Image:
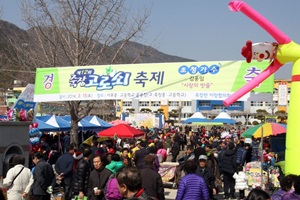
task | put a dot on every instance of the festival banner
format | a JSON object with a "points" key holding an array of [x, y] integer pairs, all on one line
{"points": [[213, 80], [25, 100]]}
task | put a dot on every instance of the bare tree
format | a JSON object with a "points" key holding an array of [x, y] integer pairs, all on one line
{"points": [[77, 33]]}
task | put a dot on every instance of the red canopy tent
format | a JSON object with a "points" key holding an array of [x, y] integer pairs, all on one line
{"points": [[121, 131], [118, 121]]}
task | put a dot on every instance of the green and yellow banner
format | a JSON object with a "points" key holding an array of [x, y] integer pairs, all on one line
{"points": [[213, 80]]}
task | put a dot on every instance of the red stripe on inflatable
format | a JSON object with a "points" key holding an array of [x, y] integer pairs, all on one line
{"points": [[295, 78]]}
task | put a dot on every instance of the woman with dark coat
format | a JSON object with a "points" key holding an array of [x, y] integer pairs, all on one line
{"points": [[151, 180], [98, 179], [228, 168], [81, 175]]}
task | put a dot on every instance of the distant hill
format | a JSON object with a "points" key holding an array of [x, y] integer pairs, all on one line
{"points": [[147, 54], [131, 51], [9, 31]]}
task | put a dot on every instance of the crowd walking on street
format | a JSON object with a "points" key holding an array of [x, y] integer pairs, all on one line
{"points": [[208, 167]]}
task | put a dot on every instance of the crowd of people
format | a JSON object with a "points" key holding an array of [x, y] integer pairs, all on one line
{"points": [[128, 169]]}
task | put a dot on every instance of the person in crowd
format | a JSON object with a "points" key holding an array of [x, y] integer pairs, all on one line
{"points": [[155, 140], [112, 190], [43, 177], [241, 153], [248, 153], [192, 186], [125, 158], [18, 180], [174, 149], [64, 168], [168, 143], [240, 181], [44, 151], [286, 186], [183, 140], [151, 179], [280, 163], [296, 194], [136, 148], [176, 136], [130, 184], [228, 168], [193, 139], [199, 150], [94, 146], [212, 161], [161, 152], [81, 175], [189, 155], [140, 155], [98, 179], [53, 154], [78, 155], [208, 175], [104, 146], [258, 194], [114, 164], [152, 151], [223, 147], [66, 141]]}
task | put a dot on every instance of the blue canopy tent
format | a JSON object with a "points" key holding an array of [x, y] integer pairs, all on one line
{"points": [[55, 121], [83, 124], [98, 122], [44, 127], [224, 118], [196, 117]]}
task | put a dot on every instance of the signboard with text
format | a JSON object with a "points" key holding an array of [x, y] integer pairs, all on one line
{"points": [[213, 80], [282, 94]]}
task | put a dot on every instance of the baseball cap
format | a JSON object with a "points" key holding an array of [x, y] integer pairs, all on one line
{"points": [[202, 157]]}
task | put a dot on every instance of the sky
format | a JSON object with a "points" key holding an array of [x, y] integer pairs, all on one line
{"points": [[200, 29]]}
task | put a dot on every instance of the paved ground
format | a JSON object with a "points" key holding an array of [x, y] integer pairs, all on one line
{"points": [[170, 194]]}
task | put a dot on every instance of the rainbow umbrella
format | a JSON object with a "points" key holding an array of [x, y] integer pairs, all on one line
{"points": [[265, 130]]}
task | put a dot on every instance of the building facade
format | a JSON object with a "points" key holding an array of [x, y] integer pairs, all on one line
{"points": [[280, 101]]}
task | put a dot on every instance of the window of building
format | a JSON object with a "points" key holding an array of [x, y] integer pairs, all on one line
{"points": [[155, 103], [186, 103], [204, 103], [127, 103], [185, 115], [289, 90], [173, 103], [144, 103], [256, 103], [271, 104], [236, 104], [217, 107], [275, 91]]}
